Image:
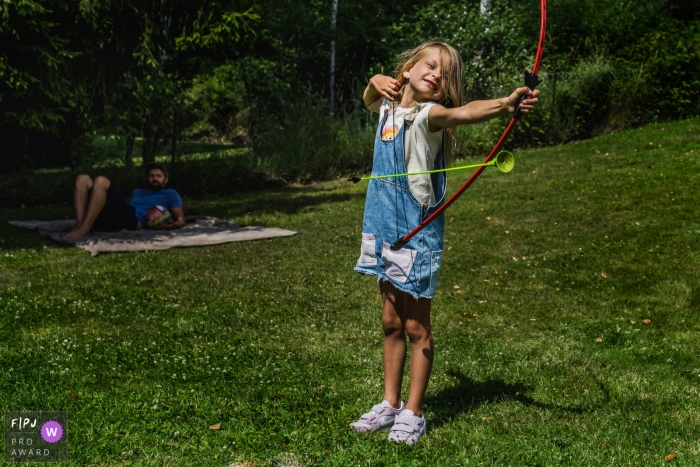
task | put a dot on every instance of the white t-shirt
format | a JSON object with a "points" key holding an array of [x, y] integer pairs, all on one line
{"points": [[421, 147]]}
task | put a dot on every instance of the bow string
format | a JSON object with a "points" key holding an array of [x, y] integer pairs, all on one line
{"points": [[531, 81]]}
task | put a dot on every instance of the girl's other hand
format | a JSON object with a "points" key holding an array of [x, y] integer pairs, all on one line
{"points": [[527, 104], [386, 86]]}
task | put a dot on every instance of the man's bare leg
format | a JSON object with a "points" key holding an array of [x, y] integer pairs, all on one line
{"points": [[89, 199], [81, 195]]}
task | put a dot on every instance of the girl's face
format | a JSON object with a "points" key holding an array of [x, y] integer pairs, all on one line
{"points": [[425, 78]]}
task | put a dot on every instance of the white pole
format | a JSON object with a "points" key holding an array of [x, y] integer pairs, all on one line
{"points": [[484, 9], [331, 84], [484, 6]]}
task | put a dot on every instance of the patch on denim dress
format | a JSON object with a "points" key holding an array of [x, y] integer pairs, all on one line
{"points": [[398, 264], [368, 252], [435, 264]]}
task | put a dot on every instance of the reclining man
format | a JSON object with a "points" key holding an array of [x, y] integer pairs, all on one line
{"points": [[100, 206]]}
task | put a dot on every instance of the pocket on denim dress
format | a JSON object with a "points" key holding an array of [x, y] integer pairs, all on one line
{"points": [[368, 252], [398, 264]]}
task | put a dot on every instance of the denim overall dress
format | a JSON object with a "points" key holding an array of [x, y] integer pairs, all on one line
{"points": [[391, 212]]}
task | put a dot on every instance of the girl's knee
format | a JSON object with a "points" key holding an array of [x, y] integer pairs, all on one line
{"points": [[391, 324], [417, 331]]}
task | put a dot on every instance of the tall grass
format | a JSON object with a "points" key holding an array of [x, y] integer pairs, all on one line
{"points": [[305, 143], [200, 169], [300, 142]]}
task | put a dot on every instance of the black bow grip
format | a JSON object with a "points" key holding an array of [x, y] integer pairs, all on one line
{"points": [[531, 81]]}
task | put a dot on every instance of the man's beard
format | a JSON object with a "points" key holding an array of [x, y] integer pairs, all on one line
{"points": [[155, 186]]}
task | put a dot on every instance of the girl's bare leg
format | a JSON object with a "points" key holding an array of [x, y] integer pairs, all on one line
{"points": [[422, 350], [394, 342]]}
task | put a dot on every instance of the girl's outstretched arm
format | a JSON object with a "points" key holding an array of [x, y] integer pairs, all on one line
{"points": [[480, 111], [380, 86]]}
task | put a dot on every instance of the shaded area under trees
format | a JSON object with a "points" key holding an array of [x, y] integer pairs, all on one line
{"points": [[256, 73]]}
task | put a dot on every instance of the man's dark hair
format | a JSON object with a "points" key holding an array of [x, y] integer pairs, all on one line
{"points": [[156, 165]]}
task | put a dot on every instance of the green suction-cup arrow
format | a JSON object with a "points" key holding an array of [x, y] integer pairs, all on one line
{"points": [[505, 161]]}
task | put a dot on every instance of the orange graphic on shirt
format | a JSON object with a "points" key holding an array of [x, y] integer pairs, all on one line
{"points": [[389, 133]]}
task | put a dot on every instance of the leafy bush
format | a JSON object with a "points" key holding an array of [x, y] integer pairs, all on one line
{"points": [[305, 143], [584, 96], [195, 178], [55, 186], [221, 106], [494, 46], [666, 70], [91, 150], [218, 175], [657, 78]]}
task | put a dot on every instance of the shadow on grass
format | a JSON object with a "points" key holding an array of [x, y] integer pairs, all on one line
{"points": [[469, 394], [287, 202], [17, 238]]}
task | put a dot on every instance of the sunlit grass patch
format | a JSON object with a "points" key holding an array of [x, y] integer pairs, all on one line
{"points": [[565, 324]]}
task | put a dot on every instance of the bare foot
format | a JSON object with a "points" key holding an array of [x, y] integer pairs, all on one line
{"points": [[77, 227], [76, 234]]}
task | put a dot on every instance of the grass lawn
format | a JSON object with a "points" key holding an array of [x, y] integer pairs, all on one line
{"points": [[566, 324]]}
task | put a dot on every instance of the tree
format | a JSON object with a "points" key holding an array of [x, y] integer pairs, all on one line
{"points": [[72, 68], [41, 89], [331, 81]]}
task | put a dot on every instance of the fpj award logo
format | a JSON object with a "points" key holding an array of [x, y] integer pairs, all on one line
{"points": [[35, 437]]}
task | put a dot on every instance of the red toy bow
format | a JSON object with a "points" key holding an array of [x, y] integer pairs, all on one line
{"points": [[531, 81]]}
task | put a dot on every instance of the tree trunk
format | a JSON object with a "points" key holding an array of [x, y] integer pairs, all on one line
{"points": [[129, 158], [484, 9], [331, 81], [174, 135], [484, 6], [150, 143]]}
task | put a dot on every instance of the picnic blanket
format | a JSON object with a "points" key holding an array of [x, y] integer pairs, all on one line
{"points": [[199, 231]]}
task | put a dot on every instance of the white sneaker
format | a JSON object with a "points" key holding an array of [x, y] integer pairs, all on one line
{"points": [[379, 418], [407, 428]]}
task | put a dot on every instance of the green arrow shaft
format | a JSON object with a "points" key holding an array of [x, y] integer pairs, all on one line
{"points": [[430, 171]]}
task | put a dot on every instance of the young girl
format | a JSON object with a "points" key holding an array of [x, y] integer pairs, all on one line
{"points": [[418, 113]]}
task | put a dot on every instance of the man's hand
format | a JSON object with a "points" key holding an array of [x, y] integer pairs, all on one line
{"points": [[178, 220], [380, 86], [527, 104]]}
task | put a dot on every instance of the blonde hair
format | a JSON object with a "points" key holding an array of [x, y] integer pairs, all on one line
{"points": [[451, 67]]}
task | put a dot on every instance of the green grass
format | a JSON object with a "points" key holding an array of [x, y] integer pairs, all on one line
{"points": [[200, 170], [186, 151], [280, 342]]}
